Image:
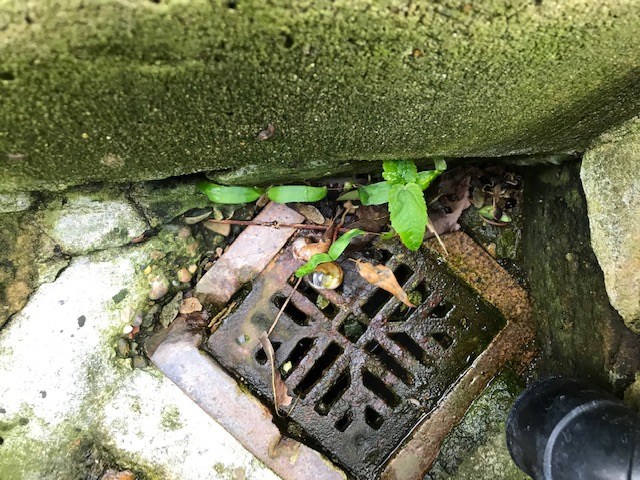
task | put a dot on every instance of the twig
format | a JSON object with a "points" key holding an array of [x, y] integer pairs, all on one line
{"points": [[292, 406], [433, 230], [284, 305], [282, 225]]}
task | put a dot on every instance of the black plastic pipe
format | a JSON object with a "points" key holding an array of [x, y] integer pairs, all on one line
{"points": [[562, 429]]}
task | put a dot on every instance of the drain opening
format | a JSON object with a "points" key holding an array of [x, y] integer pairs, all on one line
{"points": [[292, 311], [441, 310], [380, 297], [411, 346], [305, 289], [403, 273], [380, 389], [344, 422], [375, 349], [334, 393], [373, 418], [261, 355], [297, 354], [418, 296], [375, 302], [352, 329], [324, 363], [330, 310]]}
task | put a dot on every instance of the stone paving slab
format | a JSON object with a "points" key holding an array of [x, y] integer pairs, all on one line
{"points": [[64, 393]]}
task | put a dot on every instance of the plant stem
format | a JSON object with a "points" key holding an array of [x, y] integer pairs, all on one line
{"points": [[282, 225], [284, 305]]}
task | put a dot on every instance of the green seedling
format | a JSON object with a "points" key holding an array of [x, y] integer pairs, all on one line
{"points": [[224, 194], [402, 190], [296, 193], [335, 250], [279, 194]]}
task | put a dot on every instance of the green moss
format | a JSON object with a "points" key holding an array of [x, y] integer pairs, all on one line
{"points": [[477, 443], [171, 418], [134, 90]]}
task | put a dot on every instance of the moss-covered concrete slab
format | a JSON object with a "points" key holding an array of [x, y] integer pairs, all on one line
{"points": [[611, 179], [580, 333], [71, 408], [139, 89]]}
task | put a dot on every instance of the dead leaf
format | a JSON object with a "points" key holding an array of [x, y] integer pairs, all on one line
{"points": [[383, 277], [311, 213], [190, 305], [280, 395], [371, 218], [453, 200]]}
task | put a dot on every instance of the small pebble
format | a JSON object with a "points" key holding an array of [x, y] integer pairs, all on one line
{"points": [[267, 133], [190, 305], [139, 362], [122, 348], [171, 310], [193, 269], [157, 255], [127, 329], [147, 270], [137, 319], [223, 229], [184, 233], [150, 317], [192, 249], [159, 289], [184, 275]]}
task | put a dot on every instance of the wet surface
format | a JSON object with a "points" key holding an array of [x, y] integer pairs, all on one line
{"points": [[363, 369]]}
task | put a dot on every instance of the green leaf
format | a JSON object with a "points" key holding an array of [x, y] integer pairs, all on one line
{"points": [[374, 194], [408, 212], [440, 164], [337, 247], [223, 194], [335, 251], [425, 178], [352, 195], [296, 193], [399, 171], [313, 262]]}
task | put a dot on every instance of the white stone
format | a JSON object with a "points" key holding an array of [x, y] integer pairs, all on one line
{"points": [[15, 202], [87, 223], [66, 381]]}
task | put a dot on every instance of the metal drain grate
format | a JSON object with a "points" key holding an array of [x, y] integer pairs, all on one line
{"points": [[366, 369]]}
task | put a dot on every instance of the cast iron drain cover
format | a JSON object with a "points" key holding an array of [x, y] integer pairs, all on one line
{"points": [[363, 369]]}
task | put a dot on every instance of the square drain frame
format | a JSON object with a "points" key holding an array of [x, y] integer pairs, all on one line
{"points": [[364, 371]]}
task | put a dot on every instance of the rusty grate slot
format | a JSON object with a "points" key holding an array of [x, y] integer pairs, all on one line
{"points": [[365, 368]]}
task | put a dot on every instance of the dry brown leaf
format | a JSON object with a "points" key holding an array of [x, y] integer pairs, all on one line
{"points": [[280, 395], [371, 218], [383, 277], [311, 213], [454, 200]]}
